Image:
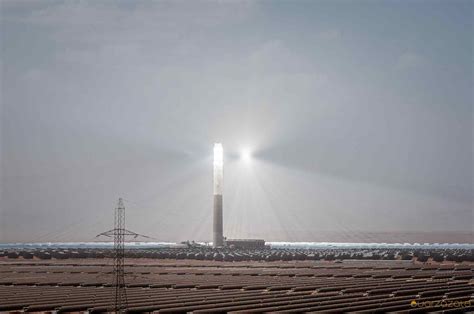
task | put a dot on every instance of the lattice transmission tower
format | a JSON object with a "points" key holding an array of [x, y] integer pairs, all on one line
{"points": [[119, 233]]}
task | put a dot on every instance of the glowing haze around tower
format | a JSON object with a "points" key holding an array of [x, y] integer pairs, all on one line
{"points": [[218, 236]]}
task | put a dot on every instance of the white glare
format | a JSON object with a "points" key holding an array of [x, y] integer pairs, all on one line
{"points": [[246, 155], [218, 154], [218, 168]]}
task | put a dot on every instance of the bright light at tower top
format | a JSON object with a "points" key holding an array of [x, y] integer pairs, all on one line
{"points": [[218, 168], [218, 154], [246, 155]]}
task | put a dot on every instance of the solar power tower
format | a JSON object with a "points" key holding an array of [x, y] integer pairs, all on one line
{"points": [[119, 233]]}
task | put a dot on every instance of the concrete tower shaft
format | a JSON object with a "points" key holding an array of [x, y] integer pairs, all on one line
{"points": [[218, 234]]}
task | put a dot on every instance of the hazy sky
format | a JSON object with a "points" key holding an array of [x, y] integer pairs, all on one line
{"points": [[359, 116]]}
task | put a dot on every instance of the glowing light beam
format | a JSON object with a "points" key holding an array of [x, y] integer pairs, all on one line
{"points": [[246, 155]]}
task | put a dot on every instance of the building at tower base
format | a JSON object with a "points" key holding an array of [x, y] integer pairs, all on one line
{"points": [[245, 244]]}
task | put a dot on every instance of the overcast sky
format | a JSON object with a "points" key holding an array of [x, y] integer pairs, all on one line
{"points": [[358, 114]]}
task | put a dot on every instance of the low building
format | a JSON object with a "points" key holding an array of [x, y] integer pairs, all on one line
{"points": [[251, 244]]}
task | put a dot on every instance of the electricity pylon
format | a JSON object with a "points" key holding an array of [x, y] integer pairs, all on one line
{"points": [[119, 233]]}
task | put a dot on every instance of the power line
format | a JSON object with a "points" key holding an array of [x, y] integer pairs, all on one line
{"points": [[119, 233], [119, 258]]}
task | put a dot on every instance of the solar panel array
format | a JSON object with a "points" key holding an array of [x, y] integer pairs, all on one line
{"points": [[243, 287], [422, 254]]}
